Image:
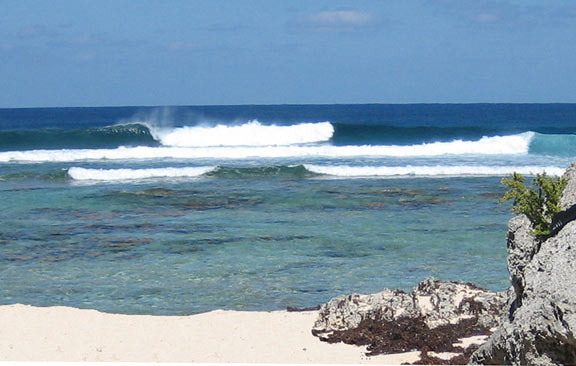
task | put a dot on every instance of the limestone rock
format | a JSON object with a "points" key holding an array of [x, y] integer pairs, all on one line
{"points": [[539, 323], [522, 247], [569, 194], [347, 311], [440, 303]]}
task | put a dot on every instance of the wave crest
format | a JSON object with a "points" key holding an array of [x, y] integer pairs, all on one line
{"points": [[307, 171], [77, 173], [498, 145], [437, 170], [252, 133]]}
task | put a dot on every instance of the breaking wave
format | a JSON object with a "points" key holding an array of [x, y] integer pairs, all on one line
{"points": [[252, 133], [134, 174], [498, 145], [438, 170], [306, 171]]}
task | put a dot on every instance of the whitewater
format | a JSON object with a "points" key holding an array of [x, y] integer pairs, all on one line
{"points": [[252, 133], [245, 146], [83, 174], [304, 144]]}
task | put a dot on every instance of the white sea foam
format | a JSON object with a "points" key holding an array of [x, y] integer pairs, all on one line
{"points": [[77, 173], [507, 145], [249, 134], [437, 170]]}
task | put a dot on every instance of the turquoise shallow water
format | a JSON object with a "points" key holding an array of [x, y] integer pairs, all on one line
{"points": [[187, 246], [180, 210]]}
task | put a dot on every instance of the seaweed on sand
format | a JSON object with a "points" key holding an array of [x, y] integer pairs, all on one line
{"points": [[407, 334]]}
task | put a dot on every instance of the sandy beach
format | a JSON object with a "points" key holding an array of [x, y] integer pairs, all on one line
{"points": [[55, 334]]}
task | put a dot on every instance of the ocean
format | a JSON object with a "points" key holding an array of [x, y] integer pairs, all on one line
{"points": [[182, 210]]}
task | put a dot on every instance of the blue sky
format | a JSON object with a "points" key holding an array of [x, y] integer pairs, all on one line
{"points": [[200, 52]]}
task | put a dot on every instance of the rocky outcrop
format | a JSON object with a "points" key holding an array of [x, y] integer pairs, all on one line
{"points": [[437, 303], [539, 323], [434, 319]]}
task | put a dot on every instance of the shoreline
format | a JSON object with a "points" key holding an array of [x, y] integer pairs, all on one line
{"points": [[65, 334]]}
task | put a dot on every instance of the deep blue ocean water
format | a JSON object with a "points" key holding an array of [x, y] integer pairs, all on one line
{"points": [[180, 210]]}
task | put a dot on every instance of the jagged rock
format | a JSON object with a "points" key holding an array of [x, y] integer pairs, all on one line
{"points": [[522, 246], [439, 303], [569, 194], [347, 311], [539, 323], [442, 303]]}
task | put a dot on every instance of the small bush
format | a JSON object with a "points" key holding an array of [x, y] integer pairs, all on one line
{"points": [[539, 202]]}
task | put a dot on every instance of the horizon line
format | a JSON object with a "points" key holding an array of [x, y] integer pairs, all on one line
{"points": [[284, 104]]}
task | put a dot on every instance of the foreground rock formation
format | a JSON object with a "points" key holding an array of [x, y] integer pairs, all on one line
{"points": [[539, 323], [438, 303], [433, 318]]}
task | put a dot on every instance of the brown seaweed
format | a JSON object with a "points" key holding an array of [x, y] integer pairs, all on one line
{"points": [[407, 334]]}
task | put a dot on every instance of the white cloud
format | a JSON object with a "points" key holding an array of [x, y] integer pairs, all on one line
{"points": [[348, 18]]}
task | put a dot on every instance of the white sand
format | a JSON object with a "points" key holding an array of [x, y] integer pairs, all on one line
{"points": [[67, 334]]}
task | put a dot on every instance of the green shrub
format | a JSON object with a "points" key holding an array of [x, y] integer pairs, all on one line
{"points": [[539, 202]]}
